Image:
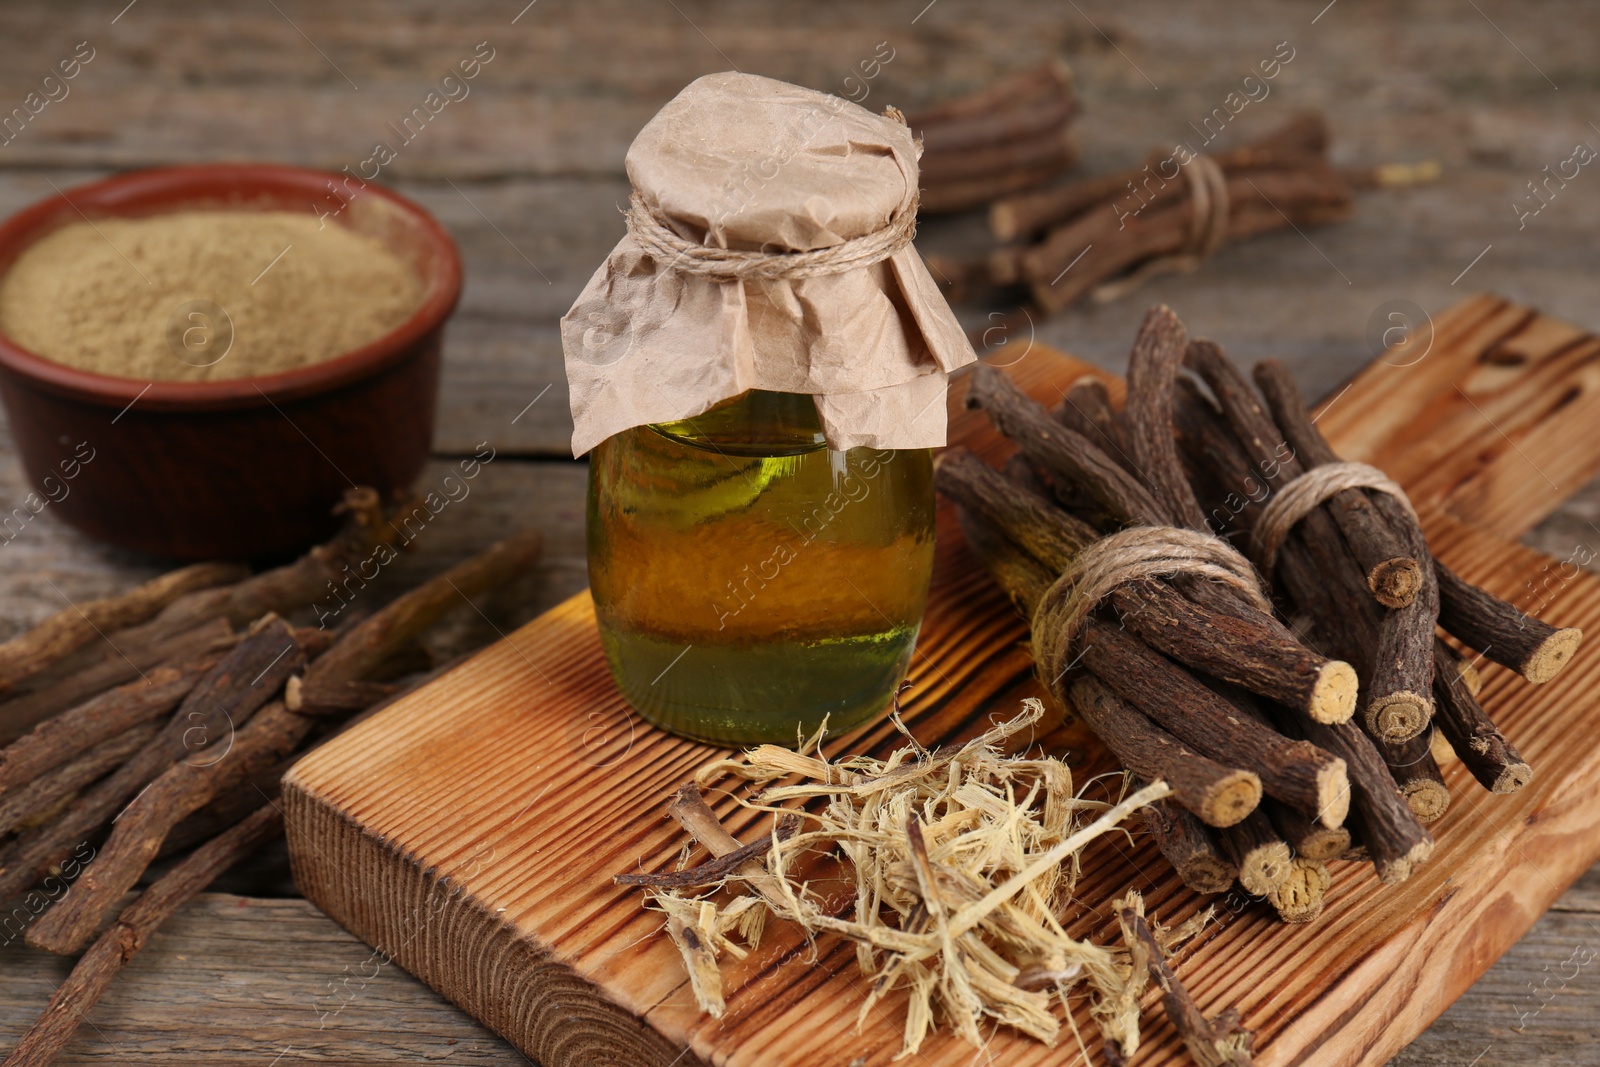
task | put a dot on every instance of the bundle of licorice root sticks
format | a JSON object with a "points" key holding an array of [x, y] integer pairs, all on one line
{"points": [[1007, 138], [139, 726], [1103, 236], [1142, 545]]}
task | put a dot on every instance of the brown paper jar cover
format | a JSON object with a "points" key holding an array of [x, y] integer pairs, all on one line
{"points": [[737, 161]]}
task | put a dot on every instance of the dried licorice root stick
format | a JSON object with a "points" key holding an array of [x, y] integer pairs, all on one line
{"points": [[68, 735], [1213, 460], [1218, 639], [142, 831], [1219, 795], [1189, 846], [1009, 137], [73, 627], [1328, 819], [1087, 410], [1244, 446], [1480, 745], [1399, 702], [365, 533], [1314, 564], [1533, 648], [142, 826], [230, 805], [1412, 765], [337, 680], [1059, 452], [1182, 838], [1306, 837], [1379, 815], [1227, 644], [224, 700], [1238, 478], [1303, 136], [1294, 772], [1219, 1042], [1271, 200], [1022, 578], [29, 805], [121, 666], [1270, 651], [1050, 536], [1262, 856], [94, 973], [1180, 835], [1325, 689], [1235, 645], [1222, 647], [1393, 575], [1452, 665], [1300, 896], [1045, 83], [1232, 458], [1399, 698], [1152, 376]]}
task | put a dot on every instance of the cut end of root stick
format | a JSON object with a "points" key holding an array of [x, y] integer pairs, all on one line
{"points": [[1300, 896], [1231, 798], [1549, 658], [1398, 717], [1440, 749], [1325, 843], [1003, 222], [1395, 871], [1333, 794], [1333, 698], [1427, 799], [1208, 874], [1513, 778], [1395, 582], [1264, 868]]}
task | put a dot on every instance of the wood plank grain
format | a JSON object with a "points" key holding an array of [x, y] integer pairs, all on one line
{"points": [[1491, 438], [1537, 1005], [237, 981]]}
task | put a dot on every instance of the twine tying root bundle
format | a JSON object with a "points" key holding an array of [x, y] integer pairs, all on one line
{"points": [[1306, 493], [1129, 556]]}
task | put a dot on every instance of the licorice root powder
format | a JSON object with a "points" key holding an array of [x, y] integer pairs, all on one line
{"points": [[140, 298]]}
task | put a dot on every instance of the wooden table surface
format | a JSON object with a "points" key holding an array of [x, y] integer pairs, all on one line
{"points": [[526, 171]]}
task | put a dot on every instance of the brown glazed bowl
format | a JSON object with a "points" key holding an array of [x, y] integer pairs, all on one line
{"points": [[234, 469]]}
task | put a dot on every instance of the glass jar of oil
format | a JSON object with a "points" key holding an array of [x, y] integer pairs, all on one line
{"points": [[749, 581]]}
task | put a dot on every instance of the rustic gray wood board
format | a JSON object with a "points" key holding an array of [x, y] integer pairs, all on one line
{"points": [[471, 830]]}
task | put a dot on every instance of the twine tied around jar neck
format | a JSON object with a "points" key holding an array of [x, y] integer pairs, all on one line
{"points": [[732, 264]]}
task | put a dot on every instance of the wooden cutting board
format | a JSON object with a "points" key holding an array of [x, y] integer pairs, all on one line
{"points": [[470, 832]]}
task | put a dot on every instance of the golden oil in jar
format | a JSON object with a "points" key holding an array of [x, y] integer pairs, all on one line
{"points": [[747, 580]]}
